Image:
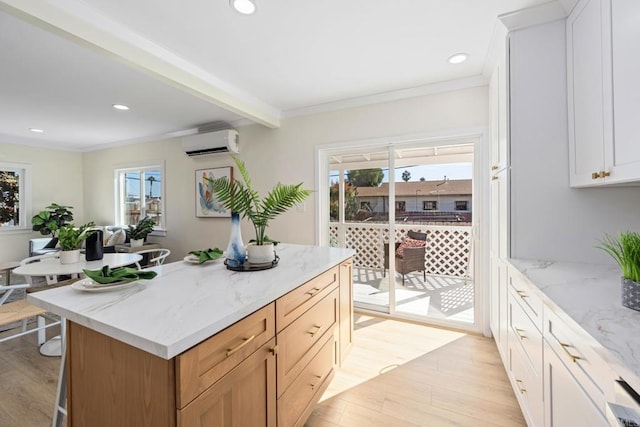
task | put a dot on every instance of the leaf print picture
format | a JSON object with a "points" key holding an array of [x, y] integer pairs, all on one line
{"points": [[207, 205]]}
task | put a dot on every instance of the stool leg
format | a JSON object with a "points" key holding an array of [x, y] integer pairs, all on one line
{"points": [[60, 411], [41, 331]]}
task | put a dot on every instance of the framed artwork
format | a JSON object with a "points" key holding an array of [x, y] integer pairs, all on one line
{"points": [[207, 206]]}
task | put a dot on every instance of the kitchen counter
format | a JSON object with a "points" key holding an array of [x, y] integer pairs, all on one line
{"points": [[187, 303], [589, 295]]}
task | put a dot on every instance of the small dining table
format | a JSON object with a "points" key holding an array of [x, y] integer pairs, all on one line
{"points": [[53, 267]]}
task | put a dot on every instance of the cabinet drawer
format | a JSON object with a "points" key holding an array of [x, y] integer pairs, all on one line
{"points": [[292, 305], [573, 347], [298, 343], [528, 385], [243, 397], [295, 406], [201, 366], [521, 289], [525, 335]]}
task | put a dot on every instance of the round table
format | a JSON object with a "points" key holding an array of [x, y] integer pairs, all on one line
{"points": [[52, 267]]}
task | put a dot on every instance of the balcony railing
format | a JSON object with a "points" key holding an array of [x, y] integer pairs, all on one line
{"points": [[448, 248]]}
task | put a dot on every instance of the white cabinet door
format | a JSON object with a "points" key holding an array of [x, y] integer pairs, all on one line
{"points": [[589, 91], [498, 314], [566, 403], [498, 100], [623, 157]]}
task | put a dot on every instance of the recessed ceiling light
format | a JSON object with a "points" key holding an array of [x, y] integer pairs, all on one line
{"points": [[458, 58], [245, 7], [36, 130], [120, 107]]}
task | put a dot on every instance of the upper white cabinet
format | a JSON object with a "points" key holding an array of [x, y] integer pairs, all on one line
{"points": [[602, 92]]}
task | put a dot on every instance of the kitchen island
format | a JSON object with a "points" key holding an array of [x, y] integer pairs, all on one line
{"points": [[202, 345]]}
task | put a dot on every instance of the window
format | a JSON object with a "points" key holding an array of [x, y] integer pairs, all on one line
{"points": [[401, 206], [462, 205], [430, 205], [140, 193], [16, 196]]}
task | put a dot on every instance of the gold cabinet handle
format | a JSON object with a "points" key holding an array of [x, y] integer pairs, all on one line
{"points": [[314, 330], [521, 387], [522, 294], [314, 291], [246, 341], [518, 330], [605, 174], [494, 178], [314, 385], [495, 167], [573, 357], [595, 175], [274, 350]]}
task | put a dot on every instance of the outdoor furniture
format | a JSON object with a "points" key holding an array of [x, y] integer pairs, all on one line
{"points": [[411, 259]]}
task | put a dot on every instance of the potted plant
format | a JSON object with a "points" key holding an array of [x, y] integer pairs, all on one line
{"points": [[139, 232], [49, 221], [70, 238], [625, 249], [242, 200]]}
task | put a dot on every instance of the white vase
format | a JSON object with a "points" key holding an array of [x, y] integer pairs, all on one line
{"points": [[136, 243], [70, 257], [261, 254]]}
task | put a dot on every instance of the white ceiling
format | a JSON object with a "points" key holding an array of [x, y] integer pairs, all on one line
{"points": [[180, 65]]}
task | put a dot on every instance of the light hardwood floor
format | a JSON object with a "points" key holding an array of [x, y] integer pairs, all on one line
{"points": [[397, 374], [401, 374]]}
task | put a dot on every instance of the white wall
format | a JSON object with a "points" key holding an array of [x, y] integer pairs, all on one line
{"points": [[550, 220], [271, 155], [56, 177]]}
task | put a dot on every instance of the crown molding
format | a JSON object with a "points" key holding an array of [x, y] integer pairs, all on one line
{"points": [[535, 15], [395, 95]]}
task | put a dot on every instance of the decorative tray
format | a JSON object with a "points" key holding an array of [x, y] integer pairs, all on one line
{"points": [[247, 266]]}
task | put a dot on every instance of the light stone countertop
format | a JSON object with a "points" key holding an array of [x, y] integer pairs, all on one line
{"points": [[590, 295], [187, 303]]}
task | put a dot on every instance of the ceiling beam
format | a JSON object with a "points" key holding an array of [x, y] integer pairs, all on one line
{"points": [[78, 22]]}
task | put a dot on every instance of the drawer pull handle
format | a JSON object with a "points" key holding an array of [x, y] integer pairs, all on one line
{"points": [[314, 330], [518, 330], [573, 357], [520, 387], [494, 167], [239, 346], [314, 291], [522, 294], [314, 385], [274, 350]]}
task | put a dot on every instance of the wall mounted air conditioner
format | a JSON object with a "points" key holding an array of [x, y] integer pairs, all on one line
{"points": [[220, 141]]}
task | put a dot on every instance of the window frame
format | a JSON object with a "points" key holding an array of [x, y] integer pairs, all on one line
{"points": [[120, 193], [426, 202], [401, 206], [25, 194], [466, 205]]}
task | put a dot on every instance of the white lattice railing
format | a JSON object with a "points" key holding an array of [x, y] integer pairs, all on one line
{"points": [[448, 248]]}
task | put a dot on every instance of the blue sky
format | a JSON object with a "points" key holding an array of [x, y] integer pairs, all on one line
{"points": [[430, 172]]}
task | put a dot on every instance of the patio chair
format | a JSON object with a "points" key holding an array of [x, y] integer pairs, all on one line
{"points": [[410, 258]]}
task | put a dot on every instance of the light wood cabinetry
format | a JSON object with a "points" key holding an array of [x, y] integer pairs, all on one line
{"points": [[267, 369], [603, 90]]}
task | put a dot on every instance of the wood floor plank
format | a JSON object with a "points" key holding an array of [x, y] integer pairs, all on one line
{"points": [[401, 374]]}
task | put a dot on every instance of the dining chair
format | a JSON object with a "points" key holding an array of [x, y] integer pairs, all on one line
{"points": [[21, 311], [152, 257]]}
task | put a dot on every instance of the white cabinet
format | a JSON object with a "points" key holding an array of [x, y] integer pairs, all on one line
{"points": [[603, 92], [567, 403], [498, 317]]}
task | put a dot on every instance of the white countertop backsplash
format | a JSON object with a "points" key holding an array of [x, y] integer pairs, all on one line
{"points": [[590, 295], [187, 303]]}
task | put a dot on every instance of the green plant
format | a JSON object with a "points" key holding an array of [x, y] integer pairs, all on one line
{"points": [[50, 220], [240, 197], [70, 237], [141, 229], [625, 249]]}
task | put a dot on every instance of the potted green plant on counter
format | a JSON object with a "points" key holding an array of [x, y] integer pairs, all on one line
{"points": [[242, 200], [625, 249], [139, 232], [49, 221], [70, 239]]}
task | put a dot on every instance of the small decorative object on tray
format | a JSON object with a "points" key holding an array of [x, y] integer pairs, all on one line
{"points": [[121, 274], [248, 266], [200, 257]]}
